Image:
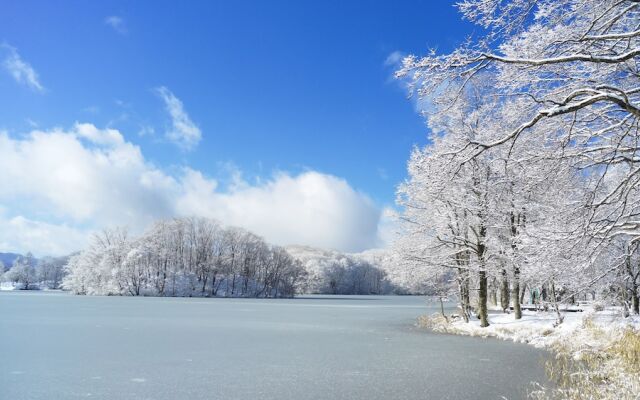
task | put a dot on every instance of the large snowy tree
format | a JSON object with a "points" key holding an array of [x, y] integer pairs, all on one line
{"points": [[562, 87]]}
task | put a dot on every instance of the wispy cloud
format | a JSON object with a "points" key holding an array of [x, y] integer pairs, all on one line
{"points": [[146, 130], [31, 123], [91, 109], [183, 132], [20, 70], [117, 23], [383, 174], [393, 59]]}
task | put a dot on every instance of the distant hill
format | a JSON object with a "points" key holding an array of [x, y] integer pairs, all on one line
{"points": [[306, 252], [333, 272], [320, 264], [8, 258]]}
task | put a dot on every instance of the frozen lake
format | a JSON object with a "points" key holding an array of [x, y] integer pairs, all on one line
{"points": [[59, 346]]}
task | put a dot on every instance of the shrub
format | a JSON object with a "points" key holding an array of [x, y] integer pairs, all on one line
{"points": [[433, 322]]}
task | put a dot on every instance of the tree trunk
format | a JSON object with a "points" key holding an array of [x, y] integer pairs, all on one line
{"points": [[635, 300], [517, 311], [233, 285], [482, 299], [555, 304], [204, 284], [442, 309], [463, 290], [466, 301], [493, 293], [504, 291]]}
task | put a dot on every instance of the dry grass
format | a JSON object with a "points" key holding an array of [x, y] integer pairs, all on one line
{"points": [[609, 372], [434, 322], [547, 332], [627, 350]]}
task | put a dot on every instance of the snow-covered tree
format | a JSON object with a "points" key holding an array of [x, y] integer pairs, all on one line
{"points": [[23, 272], [51, 271], [332, 272], [546, 107], [184, 257]]}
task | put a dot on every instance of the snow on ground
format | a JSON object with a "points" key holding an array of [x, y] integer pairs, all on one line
{"points": [[7, 286], [540, 329]]}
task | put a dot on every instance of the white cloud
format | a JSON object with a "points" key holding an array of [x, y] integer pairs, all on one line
{"points": [[108, 137], [59, 185], [311, 208], [183, 132], [117, 23], [83, 176], [388, 227], [21, 70], [25, 235]]}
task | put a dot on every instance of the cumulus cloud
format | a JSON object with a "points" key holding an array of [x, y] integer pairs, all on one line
{"points": [[21, 70], [107, 137], [388, 227], [59, 185], [22, 234], [84, 175], [117, 23], [310, 208], [183, 132]]}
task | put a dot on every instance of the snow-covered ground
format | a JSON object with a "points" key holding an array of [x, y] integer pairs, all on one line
{"points": [[7, 286], [603, 345], [539, 328]]}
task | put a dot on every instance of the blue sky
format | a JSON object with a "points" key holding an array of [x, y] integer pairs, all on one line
{"points": [[265, 89]]}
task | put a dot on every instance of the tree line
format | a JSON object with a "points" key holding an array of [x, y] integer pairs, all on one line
{"points": [[184, 257], [332, 272], [200, 257], [528, 189], [27, 272]]}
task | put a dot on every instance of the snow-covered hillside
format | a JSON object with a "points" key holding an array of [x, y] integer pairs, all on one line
{"points": [[332, 272]]}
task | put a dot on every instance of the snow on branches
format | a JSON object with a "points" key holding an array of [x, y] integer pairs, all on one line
{"points": [[532, 171], [184, 257]]}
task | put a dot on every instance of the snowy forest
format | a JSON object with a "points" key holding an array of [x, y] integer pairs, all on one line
{"points": [[27, 272], [184, 257], [528, 190], [200, 257], [332, 272]]}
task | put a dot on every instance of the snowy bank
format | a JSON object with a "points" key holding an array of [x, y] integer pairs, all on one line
{"points": [[9, 286], [597, 353]]}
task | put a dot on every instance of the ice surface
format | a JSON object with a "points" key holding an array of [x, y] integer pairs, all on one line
{"points": [[348, 347]]}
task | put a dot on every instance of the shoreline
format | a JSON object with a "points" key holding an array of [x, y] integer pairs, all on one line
{"points": [[594, 353]]}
